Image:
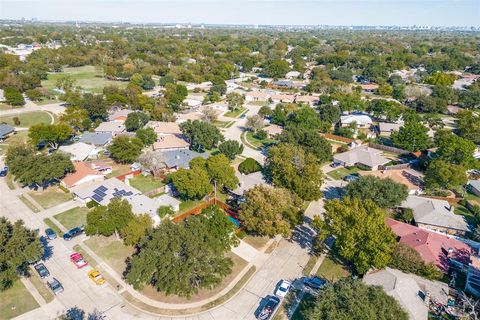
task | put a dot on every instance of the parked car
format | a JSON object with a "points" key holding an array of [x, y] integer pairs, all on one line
{"points": [[334, 164], [283, 289], [269, 308], [50, 234], [4, 171], [96, 277], [55, 286], [42, 270], [73, 233], [351, 177], [315, 282], [78, 260]]}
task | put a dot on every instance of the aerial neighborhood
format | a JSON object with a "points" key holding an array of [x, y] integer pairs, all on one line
{"points": [[155, 172]]}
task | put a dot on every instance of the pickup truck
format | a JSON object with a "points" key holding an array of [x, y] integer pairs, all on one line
{"points": [[269, 308]]}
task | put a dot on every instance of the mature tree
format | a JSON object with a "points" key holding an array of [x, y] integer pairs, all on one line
{"points": [[362, 237], [136, 120], [231, 148], [290, 167], [409, 260], [254, 123], [429, 104], [153, 161], [165, 211], [209, 114], [413, 136], [329, 113], [65, 82], [276, 68], [125, 149], [441, 78], [95, 105], [265, 111], [249, 165], [175, 94], [75, 117], [235, 100], [352, 299], [304, 117], [51, 134], [385, 193], [455, 149], [220, 171], [184, 257], [270, 211], [310, 140], [29, 167], [147, 135], [13, 97], [136, 229], [192, 183], [468, 125], [201, 135], [442, 174], [110, 219], [18, 246], [385, 89]]}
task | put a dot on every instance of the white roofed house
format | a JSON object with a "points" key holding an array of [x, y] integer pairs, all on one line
{"points": [[80, 151], [292, 74], [364, 156], [113, 127], [386, 128], [362, 120], [257, 96], [285, 98]]}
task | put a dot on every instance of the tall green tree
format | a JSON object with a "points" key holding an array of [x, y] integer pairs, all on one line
{"points": [[235, 100], [125, 149], [310, 140], [361, 235], [13, 97], [385, 193], [270, 211], [136, 120], [413, 136], [52, 134], [468, 125], [231, 148], [219, 170], [201, 135], [276, 68], [290, 167], [446, 175], [147, 135], [192, 183], [136, 229], [455, 149], [110, 219]]}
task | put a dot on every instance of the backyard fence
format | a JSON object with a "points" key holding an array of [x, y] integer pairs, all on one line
{"points": [[129, 174], [198, 209], [448, 199], [387, 148], [395, 167], [337, 138]]}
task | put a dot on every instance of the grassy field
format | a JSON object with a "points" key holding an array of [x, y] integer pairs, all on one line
{"points": [[257, 142], [256, 241], [332, 270], [41, 287], [28, 119], [73, 218], [53, 226], [113, 251], [235, 113], [51, 197], [145, 183], [341, 172], [30, 205], [90, 78], [16, 301]]}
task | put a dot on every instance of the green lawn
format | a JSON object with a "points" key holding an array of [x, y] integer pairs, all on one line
{"points": [[90, 78], [53, 226], [73, 218], [220, 124], [187, 205], [41, 287], [4, 106], [18, 137], [309, 266], [16, 301], [92, 262], [28, 119], [461, 210], [48, 101], [51, 197], [235, 113], [258, 143], [332, 270], [3, 148], [27, 202], [118, 169], [341, 172], [113, 251], [145, 183]]}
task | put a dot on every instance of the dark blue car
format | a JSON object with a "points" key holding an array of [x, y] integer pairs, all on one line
{"points": [[4, 171], [73, 233], [50, 234]]}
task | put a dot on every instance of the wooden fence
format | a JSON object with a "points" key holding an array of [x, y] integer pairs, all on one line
{"points": [[387, 148], [198, 209], [395, 167], [132, 173], [337, 138]]}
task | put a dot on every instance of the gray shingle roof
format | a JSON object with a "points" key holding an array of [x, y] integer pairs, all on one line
{"points": [[5, 129], [96, 138], [180, 158]]}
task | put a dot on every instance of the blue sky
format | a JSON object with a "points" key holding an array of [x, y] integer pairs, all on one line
{"points": [[311, 12]]}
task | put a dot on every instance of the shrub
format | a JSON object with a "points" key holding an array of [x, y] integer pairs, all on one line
{"points": [[16, 121], [261, 134], [92, 204], [249, 165], [164, 211]]}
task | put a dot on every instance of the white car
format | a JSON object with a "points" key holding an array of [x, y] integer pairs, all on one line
{"points": [[283, 289]]}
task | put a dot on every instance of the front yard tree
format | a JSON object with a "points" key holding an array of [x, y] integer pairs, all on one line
{"points": [[192, 183], [125, 149], [18, 245], [52, 134], [445, 175], [455, 149], [270, 211], [310, 140], [352, 299], [231, 148], [290, 167], [181, 258], [136, 229], [254, 123], [13, 97], [249, 165], [147, 135], [218, 169], [75, 117], [235, 100], [385, 193], [201, 135], [136, 120], [110, 219], [362, 236], [153, 161], [468, 125], [413, 136]]}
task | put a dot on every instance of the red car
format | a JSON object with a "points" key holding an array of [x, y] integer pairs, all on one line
{"points": [[78, 260]]}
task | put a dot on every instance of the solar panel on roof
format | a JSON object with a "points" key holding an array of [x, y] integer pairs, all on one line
{"points": [[100, 193], [97, 198], [129, 193], [102, 188]]}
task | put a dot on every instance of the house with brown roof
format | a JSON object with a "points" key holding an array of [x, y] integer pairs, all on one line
{"points": [[307, 99], [169, 136], [285, 98], [273, 130], [83, 173], [119, 115], [257, 96], [162, 127]]}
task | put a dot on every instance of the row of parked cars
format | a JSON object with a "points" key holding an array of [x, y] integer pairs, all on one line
{"points": [[311, 285]]}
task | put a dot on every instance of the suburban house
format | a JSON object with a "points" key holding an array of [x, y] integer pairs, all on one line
{"points": [[176, 159], [218, 107], [473, 186], [161, 127], [248, 181], [101, 166], [292, 75], [183, 117], [257, 96], [362, 120], [273, 130], [83, 174], [472, 284], [6, 131], [192, 103], [99, 139], [433, 247], [80, 151], [285, 98], [282, 83], [436, 215], [404, 288], [102, 192], [369, 87], [169, 136], [364, 156], [311, 100], [113, 127], [119, 115], [409, 177], [386, 128]]}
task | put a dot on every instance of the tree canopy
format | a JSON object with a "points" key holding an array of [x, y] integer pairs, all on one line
{"points": [[51, 134], [125, 149], [201, 135], [310, 140], [192, 183], [413, 136], [231, 148], [136, 120], [442, 174], [385, 193]]}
